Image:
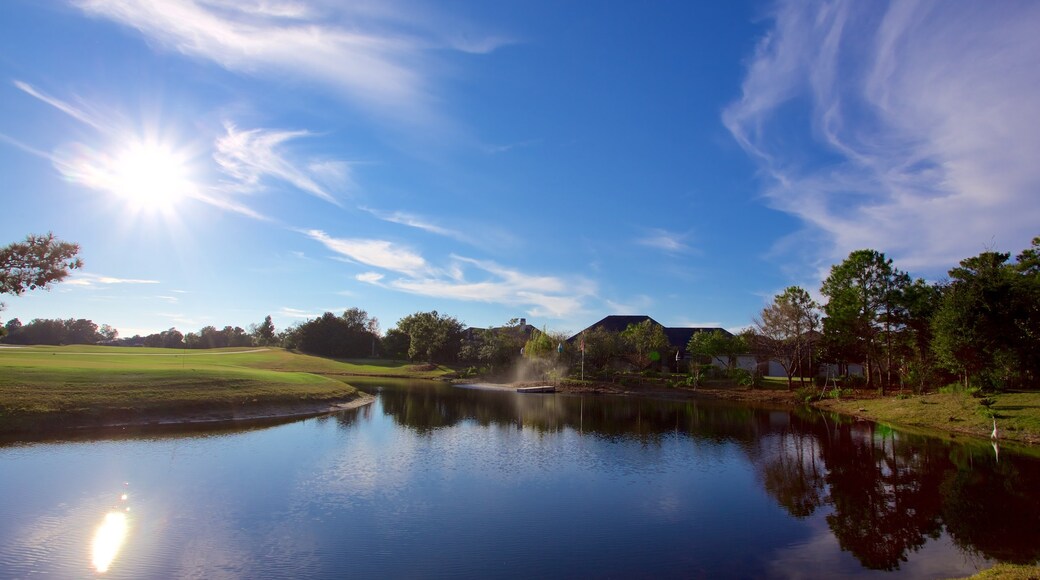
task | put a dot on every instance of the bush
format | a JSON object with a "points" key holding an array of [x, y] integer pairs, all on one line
{"points": [[742, 377], [806, 394], [958, 389]]}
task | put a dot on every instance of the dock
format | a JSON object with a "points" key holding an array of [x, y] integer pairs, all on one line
{"points": [[537, 389]]}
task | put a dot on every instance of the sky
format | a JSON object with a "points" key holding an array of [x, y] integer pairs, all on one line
{"points": [[223, 160]]}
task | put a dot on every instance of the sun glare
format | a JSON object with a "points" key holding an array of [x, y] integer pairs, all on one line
{"points": [[108, 539], [150, 176]]}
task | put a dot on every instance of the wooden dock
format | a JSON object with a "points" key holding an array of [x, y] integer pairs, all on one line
{"points": [[537, 389]]}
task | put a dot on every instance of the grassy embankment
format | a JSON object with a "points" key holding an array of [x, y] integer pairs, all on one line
{"points": [[939, 414], [1017, 414], [52, 387], [1008, 572]]}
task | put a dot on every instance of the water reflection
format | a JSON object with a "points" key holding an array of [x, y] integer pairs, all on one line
{"points": [[110, 534], [432, 481], [889, 493], [108, 540], [884, 494]]}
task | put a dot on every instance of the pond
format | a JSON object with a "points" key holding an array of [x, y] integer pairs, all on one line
{"points": [[440, 481]]}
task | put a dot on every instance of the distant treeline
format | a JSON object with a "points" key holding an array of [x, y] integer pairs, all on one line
{"points": [[980, 328]]}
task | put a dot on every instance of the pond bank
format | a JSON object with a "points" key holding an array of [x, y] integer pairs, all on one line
{"points": [[1017, 415], [256, 412]]}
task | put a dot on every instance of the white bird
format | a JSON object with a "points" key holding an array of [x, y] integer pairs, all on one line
{"points": [[995, 434]]}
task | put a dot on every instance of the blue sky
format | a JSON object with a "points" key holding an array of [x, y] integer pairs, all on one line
{"points": [[222, 160]]}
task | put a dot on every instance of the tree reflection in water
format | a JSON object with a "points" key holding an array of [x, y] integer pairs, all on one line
{"points": [[886, 493]]}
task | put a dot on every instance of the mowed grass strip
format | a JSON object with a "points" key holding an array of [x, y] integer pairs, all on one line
{"points": [[38, 382], [268, 358], [1017, 414]]}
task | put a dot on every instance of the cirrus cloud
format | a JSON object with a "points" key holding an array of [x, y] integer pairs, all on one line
{"points": [[910, 127]]}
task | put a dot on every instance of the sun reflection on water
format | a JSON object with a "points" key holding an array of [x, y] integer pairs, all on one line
{"points": [[109, 537]]}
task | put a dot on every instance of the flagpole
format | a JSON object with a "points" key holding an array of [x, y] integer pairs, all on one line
{"points": [[583, 357]]}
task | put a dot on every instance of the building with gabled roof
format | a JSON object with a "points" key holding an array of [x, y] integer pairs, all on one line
{"points": [[678, 336]]}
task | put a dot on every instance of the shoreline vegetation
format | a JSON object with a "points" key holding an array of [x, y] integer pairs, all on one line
{"points": [[948, 415], [45, 389]]}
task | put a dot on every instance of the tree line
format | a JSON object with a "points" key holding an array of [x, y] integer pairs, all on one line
{"points": [[979, 327]]}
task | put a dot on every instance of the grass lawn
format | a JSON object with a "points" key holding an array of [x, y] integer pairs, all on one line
{"points": [[1008, 572], [1017, 414], [41, 384]]}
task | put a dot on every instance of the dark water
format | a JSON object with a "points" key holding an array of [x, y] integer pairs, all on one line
{"points": [[435, 481]]}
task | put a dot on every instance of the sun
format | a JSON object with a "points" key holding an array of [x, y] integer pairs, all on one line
{"points": [[150, 176]]}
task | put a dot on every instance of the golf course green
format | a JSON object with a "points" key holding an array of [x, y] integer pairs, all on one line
{"points": [[44, 387]]}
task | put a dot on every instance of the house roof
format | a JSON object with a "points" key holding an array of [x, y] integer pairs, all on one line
{"points": [[678, 336]]}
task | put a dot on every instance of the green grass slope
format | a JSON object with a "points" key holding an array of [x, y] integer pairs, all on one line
{"points": [[43, 386]]}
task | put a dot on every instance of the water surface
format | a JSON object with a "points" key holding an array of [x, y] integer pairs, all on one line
{"points": [[437, 481]]}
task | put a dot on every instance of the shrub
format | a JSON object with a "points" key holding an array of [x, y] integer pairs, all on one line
{"points": [[806, 394], [958, 388], [743, 377]]}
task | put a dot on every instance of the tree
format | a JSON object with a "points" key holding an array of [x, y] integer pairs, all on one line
{"points": [[432, 336], [80, 331], [500, 346], [864, 311], [922, 301], [264, 333], [601, 347], [107, 333], [352, 335], [787, 329], [719, 345], [986, 326], [37, 262], [395, 344], [645, 341]]}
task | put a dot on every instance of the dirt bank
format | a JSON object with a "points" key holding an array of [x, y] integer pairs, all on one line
{"points": [[115, 420]]}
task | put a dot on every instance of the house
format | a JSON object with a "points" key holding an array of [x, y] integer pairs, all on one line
{"points": [[522, 331], [678, 336]]}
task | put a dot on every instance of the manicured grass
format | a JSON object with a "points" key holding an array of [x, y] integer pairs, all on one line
{"points": [[41, 385], [1008, 572], [1017, 414]]}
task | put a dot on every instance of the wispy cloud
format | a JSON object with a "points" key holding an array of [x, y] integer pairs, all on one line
{"points": [[378, 57], [369, 277], [640, 304], [249, 158], [86, 279], [505, 148], [81, 113], [286, 312], [483, 281], [665, 240], [464, 279], [699, 323], [922, 125], [418, 222], [378, 253], [253, 155]]}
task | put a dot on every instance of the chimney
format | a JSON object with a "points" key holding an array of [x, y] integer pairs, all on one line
{"points": [[523, 322]]}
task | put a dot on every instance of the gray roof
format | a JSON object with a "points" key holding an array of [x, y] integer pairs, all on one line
{"points": [[678, 336]]}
